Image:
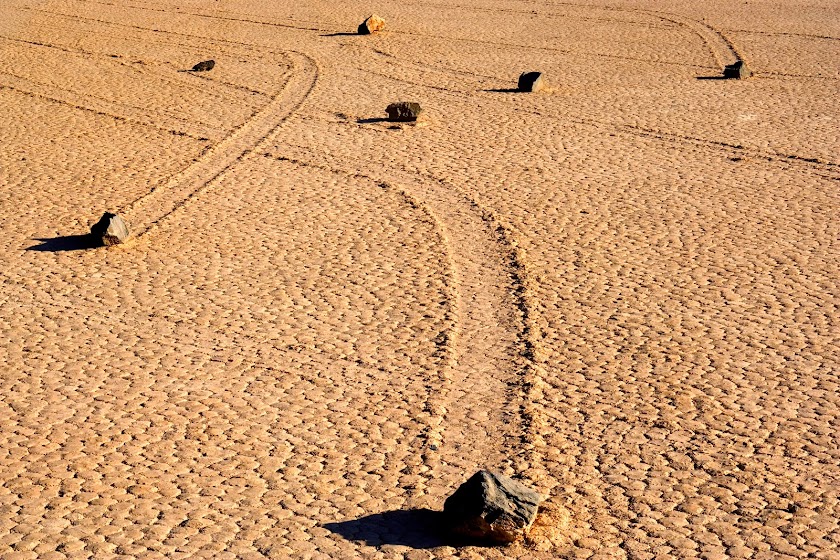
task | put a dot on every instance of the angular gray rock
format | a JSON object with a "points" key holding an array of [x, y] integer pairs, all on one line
{"points": [[736, 71], [531, 82], [110, 229], [403, 111], [204, 66], [491, 507], [371, 25]]}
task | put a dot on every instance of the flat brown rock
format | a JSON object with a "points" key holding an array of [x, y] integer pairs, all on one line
{"points": [[204, 66]]}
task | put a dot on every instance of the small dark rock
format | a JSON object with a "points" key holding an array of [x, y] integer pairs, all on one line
{"points": [[371, 25], [110, 229], [403, 111], [736, 71], [492, 508], [531, 82], [204, 66]]}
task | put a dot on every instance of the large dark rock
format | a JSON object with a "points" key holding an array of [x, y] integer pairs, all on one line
{"points": [[492, 508], [403, 111], [531, 82], [371, 25], [110, 229], [204, 66], [736, 71]]}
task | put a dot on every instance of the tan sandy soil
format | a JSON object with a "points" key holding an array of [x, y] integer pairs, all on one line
{"points": [[624, 290]]}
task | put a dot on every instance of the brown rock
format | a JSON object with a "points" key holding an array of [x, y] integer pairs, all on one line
{"points": [[403, 111], [531, 82], [371, 25], [491, 507], [737, 71], [110, 229], [204, 66]]}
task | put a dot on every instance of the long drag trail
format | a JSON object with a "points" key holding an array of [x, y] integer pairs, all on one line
{"points": [[160, 202]]}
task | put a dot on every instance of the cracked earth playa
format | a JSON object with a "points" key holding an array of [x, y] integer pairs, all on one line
{"points": [[623, 290]]}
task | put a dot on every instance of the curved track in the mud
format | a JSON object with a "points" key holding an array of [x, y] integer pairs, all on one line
{"points": [[478, 407], [153, 207]]}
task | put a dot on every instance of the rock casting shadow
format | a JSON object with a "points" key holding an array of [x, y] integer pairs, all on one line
{"points": [[65, 243], [415, 528]]}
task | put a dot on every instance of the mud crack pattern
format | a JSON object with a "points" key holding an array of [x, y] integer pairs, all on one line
{"points": [[623, 290]]}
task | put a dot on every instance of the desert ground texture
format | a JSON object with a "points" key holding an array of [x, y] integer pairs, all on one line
{"points": [[622, 291]]}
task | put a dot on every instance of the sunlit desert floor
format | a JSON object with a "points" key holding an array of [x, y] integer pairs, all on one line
{"points": [[623, 291]]}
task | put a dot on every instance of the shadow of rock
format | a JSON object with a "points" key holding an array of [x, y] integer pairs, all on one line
{"points": [[342, 34], [66, 243], [711, 78], [372, 120], [415, 528]]}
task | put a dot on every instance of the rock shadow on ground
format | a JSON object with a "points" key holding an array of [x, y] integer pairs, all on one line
{"points": [[372, 120], [66, 243], [414, 528]]}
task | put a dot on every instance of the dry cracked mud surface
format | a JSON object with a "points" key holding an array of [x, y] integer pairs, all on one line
{"points": [[623, 290]]}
